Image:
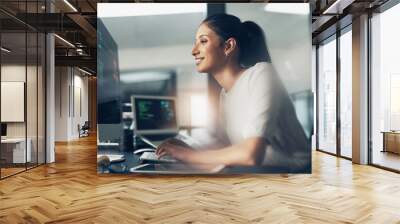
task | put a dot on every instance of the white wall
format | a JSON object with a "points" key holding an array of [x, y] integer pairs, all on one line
{"points": [[61, 103], [69, 82], [14, 73]]}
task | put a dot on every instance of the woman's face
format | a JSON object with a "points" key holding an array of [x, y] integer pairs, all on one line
{"points": [[208, 51]]}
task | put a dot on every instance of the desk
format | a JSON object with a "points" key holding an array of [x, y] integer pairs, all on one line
{"points": [[13, 150], [391, 141], [132, 160]]}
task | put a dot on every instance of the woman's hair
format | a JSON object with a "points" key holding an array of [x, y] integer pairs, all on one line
{"points": [[249, 37]]}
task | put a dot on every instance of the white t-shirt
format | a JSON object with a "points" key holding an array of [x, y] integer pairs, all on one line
{"points": [[259, 106]]}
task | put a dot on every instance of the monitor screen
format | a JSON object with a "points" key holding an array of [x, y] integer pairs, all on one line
{"points": [[154, 114], [3, 129]]}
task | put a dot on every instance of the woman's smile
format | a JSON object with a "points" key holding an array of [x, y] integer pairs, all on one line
{"points": [[198, 60]]}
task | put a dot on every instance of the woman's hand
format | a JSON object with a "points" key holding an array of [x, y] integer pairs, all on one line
{"points": [[174, 148], [249, 152]]}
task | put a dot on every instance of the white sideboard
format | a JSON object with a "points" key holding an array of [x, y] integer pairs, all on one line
{"points": [[18, 146]]}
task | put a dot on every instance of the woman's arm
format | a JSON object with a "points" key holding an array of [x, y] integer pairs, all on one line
{"points": [[250, 152]]}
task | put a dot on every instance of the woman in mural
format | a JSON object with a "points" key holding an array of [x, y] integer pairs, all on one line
{"points": [[256, 113]]}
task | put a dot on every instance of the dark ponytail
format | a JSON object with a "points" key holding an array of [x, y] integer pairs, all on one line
{"points": [[254, 48], [249, 36]]}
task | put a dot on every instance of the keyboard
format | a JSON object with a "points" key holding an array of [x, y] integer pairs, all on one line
{"points": [[151, 156]]}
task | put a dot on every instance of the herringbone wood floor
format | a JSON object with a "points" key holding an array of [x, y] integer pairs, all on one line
{"points": [[70, 191]]}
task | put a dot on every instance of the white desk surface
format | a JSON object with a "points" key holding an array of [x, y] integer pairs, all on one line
{"points": [[107, 144], [13, 140]]}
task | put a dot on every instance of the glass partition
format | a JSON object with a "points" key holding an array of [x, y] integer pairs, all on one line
{"points": [[13, 108], [22, 89]]}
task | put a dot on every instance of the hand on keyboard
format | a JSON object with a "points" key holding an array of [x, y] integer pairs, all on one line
{"points": [[177, 141], [151, 156], [174, 148]]}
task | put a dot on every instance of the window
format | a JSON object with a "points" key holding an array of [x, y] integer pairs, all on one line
{"points": [[346, 93], [327, 96], [385, 89]]}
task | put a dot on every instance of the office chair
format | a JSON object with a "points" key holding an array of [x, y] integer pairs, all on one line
{"points": [[84, 130]]}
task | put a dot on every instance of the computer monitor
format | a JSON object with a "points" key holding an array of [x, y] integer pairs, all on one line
{"points": [[154, 114], [3, 130]]}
